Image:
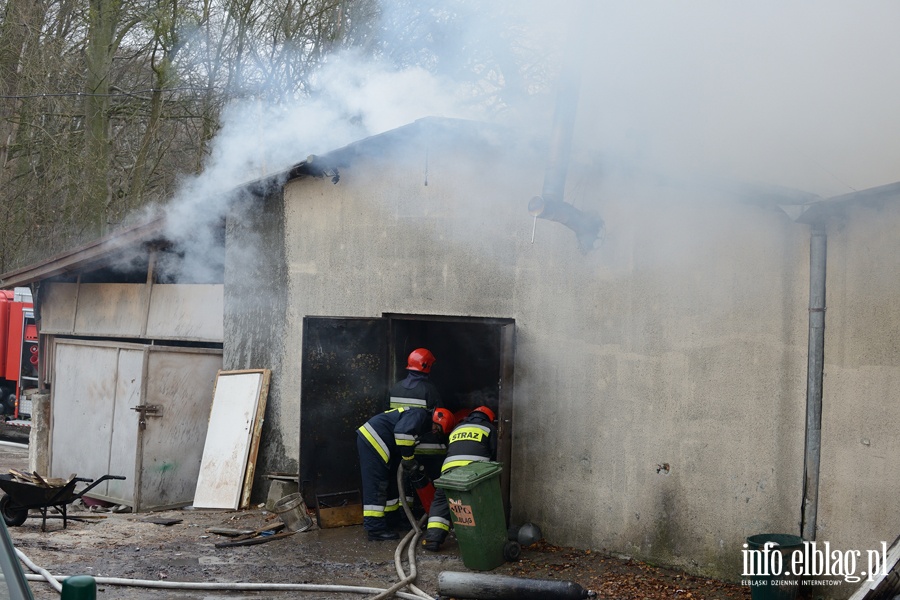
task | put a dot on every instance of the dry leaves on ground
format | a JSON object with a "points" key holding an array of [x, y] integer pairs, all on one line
{"points": [[624, 578]]}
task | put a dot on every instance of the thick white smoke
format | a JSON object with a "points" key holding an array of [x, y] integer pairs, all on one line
{"points": [[797, 94], [800, 94]]}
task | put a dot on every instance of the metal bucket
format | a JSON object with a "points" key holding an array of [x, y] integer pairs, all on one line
{"points": [[292, 511]]}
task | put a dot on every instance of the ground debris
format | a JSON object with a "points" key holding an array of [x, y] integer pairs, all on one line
{"points": [[616, 577]]}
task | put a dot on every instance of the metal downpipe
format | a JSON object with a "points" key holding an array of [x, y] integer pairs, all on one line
{"points": [[818, 247]]}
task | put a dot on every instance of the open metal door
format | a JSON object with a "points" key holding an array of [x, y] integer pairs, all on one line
{"points": [[505, 412], [344, 380]]}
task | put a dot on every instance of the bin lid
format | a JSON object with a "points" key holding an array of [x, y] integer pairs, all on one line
{"points": [[466, 477], [784, 540]]}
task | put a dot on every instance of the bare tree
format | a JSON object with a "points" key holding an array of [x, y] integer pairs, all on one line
{"points": [[106, 104]]}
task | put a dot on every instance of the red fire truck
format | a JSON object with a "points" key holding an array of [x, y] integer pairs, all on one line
{"points": [[18, 352]]}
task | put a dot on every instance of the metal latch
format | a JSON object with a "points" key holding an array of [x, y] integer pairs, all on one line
{"points": [[147, 410]]}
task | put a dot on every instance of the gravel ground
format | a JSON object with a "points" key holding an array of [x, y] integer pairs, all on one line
{"points": [[139, 546], [133, 546]]}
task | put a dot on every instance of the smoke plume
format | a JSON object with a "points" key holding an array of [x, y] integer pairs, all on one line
{"points": [[800, 94]]}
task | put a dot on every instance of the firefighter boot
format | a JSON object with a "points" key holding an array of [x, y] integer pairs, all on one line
{"points": [[433, 540], [383, 535], [377, 529], [397, 521]]}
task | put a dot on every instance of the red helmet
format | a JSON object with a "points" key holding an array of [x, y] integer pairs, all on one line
{"points": [[461, 414], [420, 359], [486, 412], [444, 418]]}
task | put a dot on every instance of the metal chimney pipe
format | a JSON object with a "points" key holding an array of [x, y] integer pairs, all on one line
{"points": [[563, 129], [550, 204], [586, 227]]}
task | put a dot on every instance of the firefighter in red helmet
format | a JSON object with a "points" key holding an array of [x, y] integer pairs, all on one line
{"points": [[384, 442], [473, 439], [416, 390]]}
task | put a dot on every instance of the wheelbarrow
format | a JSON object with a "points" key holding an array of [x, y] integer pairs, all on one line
{"points": [[20, 497]]}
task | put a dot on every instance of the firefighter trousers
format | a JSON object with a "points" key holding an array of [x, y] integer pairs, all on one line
{"points": [[379, 486], [438, 518]]}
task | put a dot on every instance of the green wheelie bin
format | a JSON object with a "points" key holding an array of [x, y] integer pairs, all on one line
{"points": [[769, 585], [476, 509]]}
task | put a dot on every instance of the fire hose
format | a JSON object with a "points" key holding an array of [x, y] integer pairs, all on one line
{"points": [[411, 538], [409, 542], [461, 585], [54, 581]]}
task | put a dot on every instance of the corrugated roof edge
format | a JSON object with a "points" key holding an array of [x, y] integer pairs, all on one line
{"points": [[314, 166], [836, 205], [78, 257], [326, 164]]}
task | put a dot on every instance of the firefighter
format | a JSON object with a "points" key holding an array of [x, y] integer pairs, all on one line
{"points": [[473, 440], [416, 390], [384, 442]]}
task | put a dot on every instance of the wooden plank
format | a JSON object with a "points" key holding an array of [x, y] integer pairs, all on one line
{"points": [[262, 539], [58, 307], [254, 439], [160, 311], [229, 532], [872, 590], [340, 516], [162, 521], [232, 421], [111, 309], [273, 527]]}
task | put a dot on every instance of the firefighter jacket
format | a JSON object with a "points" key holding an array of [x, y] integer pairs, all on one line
{"points": [[473, 440], [396, 431], [416, 391]]}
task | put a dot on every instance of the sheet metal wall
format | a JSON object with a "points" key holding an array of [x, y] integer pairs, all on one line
{"points": [[94, 430], [172, 312]]}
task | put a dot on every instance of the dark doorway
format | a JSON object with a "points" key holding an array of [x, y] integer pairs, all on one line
{"points": [[349, 364]]}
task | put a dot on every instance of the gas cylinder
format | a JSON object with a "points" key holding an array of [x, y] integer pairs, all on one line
{"points": [[502, 587]]}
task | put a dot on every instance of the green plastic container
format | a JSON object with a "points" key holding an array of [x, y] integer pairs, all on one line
{"points": [[785, 585], [79, 587], [476, 508]]}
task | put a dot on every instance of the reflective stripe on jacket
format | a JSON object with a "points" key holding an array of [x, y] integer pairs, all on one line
{"points": [[400, 402], [416, 391], [396, 429], [473, 440]]}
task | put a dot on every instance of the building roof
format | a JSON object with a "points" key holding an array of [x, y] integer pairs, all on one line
{"points": [[801, 206], [101, 252], [837, 206], [91, 255]]}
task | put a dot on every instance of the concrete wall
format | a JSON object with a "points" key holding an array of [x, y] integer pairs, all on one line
{"points": [[660, 380], [661, 409], [254, 317], [858, 492]]}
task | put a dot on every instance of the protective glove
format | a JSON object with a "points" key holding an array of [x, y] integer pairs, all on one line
{"points": [[410, 465]]}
